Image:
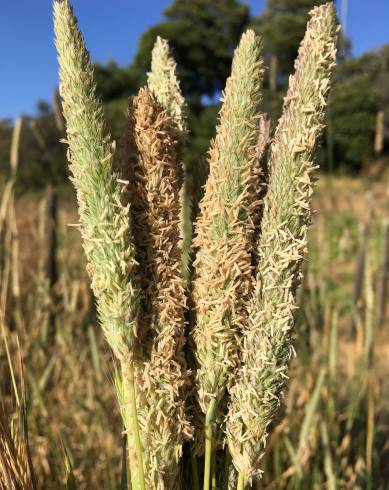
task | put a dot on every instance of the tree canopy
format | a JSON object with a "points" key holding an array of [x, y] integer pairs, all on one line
{"points": [[203, 36], [282, 26]]}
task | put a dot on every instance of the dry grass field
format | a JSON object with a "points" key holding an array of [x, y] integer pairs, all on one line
{"points": [[58, 406]]}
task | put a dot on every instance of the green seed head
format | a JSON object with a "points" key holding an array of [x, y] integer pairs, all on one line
{"points": [[104, 221]]}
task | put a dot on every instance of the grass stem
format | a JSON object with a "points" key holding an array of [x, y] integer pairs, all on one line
{"points": [[195, 472], [137, 476], [213, 470], [209, 418], [240, 484]]}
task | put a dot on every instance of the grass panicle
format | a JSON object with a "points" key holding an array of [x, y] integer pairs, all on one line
{"points": [[267, 346], [104, 223], [224, 232], [104, 220], [163, 82], [151, 149]]}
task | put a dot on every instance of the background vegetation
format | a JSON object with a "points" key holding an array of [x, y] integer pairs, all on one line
{"points": [[203, 35]]}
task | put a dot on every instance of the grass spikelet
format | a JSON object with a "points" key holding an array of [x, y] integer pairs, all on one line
{"points": [[105, 229], [154, 191], [259, 178], [267, 350], [224, 229]]}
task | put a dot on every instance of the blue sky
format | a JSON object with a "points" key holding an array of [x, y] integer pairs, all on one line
{"points": [[112, 29]]}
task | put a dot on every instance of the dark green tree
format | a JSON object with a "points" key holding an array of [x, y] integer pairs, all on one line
{"points": [[114, 81], [359, 92], [42, 156], [353, 111], [282, 26], [203, 35]]}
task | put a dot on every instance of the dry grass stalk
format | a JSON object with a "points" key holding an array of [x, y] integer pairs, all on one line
{"points": [[379, 133], [16, 469], [9, 237], [38, 135], [15, 146], [384, 277], [14, 466], [153, 173], [15, 262], [267, 350]]}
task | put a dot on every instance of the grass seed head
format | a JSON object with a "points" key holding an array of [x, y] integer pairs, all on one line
{"points": [[267, 346], [104, 219], [163, 82], [154, 193], [225, 228]]}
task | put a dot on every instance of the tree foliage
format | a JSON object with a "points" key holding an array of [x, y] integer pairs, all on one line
{"points": [[203, 35], [114, 81], [353, 122], [282, 26]]}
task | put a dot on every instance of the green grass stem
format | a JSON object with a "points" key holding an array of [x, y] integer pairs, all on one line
{"points": [[209, 419]]}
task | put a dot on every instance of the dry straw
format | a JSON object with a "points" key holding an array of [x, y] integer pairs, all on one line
{"points": [[224, 233], [15, 470], [152, 169], [267, 336]]}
